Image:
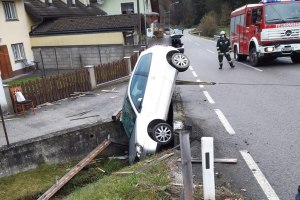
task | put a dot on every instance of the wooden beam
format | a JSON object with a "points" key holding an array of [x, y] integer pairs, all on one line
{"points": [[60, 183], [216, 160]]}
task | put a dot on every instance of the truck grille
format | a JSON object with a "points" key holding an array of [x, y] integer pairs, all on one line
{"points": [[280, 34]]}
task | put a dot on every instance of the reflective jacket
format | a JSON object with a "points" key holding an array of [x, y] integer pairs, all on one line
{"points": [[223, 45]]}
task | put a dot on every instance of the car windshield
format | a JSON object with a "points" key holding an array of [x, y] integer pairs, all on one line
{"points": [[139, 81], [280, 13]]}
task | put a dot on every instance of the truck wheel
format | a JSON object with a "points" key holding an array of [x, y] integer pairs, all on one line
{"points": [[239, 57], [295, 58], [254, 60]]}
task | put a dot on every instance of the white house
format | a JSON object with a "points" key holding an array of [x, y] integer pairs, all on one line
{"points": [[14, 38]]}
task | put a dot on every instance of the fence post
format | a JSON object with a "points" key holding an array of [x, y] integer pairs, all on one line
{"points": [[207, 149], [128, 60], [91, 70], [186, 163], [137, 53]]}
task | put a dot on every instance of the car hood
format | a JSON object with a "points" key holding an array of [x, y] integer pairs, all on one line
{"points": [[176, 36]]}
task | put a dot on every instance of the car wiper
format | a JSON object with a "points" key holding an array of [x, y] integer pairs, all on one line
{"points": [[276, 20], [295, 19]]}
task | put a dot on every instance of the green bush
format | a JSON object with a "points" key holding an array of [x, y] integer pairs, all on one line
{"points": [[208, 26]]}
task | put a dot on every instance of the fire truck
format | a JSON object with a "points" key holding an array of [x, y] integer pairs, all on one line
{"points": [[265, 31]]}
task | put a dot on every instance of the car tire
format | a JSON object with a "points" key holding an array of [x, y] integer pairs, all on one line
{"points": [[180, 62], [295, 58], [163, 133]]}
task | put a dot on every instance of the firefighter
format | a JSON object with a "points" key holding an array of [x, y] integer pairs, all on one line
{"points": [[224, 49]]}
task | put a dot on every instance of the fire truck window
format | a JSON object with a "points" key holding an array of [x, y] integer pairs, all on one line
{"points": [[254, 16], [243, 20], [248, 20]]}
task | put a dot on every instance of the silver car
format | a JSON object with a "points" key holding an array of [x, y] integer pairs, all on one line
{"points": [[147, 114]]}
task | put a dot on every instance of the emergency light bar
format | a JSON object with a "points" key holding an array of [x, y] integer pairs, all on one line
{"points": [[273, 1]]}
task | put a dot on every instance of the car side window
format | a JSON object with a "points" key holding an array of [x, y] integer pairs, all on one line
{"points": [[139, 81]]}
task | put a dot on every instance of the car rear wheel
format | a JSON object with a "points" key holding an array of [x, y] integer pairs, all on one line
{"points": [[163, 133], [180, 62]]}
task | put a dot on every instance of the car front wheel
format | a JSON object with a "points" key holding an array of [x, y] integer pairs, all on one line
{"points": [[180, 62], [163, 133]]}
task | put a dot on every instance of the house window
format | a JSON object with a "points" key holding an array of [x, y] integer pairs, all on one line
{"points": [[10, 10], [18, 50], [127, 8]]}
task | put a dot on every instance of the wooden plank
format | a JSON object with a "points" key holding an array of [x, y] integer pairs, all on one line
{"points": [[60, 183], [216, 160], [187, 173]]}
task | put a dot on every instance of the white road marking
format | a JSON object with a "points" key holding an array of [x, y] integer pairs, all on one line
{"points": [[224, 121], [250, 66], [208, 97], [194, 73], [210, 51], [201, 86], [191, 68], [261, 179]]}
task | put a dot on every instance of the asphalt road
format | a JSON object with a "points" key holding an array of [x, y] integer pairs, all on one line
{"points": [[253, 115]]}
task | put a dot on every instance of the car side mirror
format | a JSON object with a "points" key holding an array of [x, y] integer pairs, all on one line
{"points": [[258, 25], [140, 102]]}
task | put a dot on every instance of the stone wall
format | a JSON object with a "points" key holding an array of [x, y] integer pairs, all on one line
{"points": [[75, 57], [62, 146]]}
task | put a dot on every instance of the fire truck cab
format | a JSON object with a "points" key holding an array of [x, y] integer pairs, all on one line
{"points": [[266, 30]]}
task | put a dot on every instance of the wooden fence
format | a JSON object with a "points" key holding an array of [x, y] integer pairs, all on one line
{"points": [[111, 71], [61, 86], [56, 87]]}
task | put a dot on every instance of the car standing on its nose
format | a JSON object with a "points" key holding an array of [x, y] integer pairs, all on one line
{"points": [[147, 113]]}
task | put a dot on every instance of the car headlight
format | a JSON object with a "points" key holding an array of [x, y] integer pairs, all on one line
{"points": [[269, 49], [139, 150]]}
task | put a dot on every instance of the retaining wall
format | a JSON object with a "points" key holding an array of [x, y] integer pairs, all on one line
{"points": [[61, 146]]}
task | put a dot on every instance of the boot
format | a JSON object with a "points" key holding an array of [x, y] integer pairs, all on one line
{"points": [[232, 65], [220, 67]]}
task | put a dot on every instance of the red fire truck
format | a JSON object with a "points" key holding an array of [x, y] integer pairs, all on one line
{"points": [[265, 31]]}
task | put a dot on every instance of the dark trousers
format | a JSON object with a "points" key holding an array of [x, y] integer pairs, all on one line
{"points": [[227, 56]]}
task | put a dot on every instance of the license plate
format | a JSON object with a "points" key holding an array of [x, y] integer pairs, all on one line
{"points": [[287, 49]]}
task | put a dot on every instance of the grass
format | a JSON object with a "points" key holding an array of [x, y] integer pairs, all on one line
{"points": [[149, 184], [32, 184], [91, 183]]}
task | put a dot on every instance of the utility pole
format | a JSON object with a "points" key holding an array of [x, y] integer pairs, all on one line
{"points": [[140, 22], [3, 123], [177, 2]]}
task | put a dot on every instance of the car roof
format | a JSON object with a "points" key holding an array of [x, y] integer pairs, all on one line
{"points": [[158, 49], [173, 36]]}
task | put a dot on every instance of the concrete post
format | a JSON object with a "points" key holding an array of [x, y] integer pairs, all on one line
{"points": [[10, 108], [91, 70], [207, 149], [2, 96], [128, 64]]}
